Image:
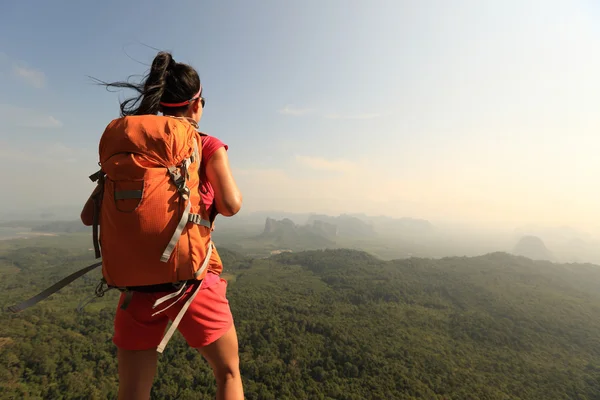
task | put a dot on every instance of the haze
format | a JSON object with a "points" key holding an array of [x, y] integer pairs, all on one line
{"points": [[481, 112]]}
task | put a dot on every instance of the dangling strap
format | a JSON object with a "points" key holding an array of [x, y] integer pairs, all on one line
{"points": [[172, 304], [168, 297], [127, 299], [171, 331], [52, 289], [175, 324], [181, 290]]}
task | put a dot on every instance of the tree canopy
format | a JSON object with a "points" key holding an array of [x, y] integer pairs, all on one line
{"points": [[332, 324]]}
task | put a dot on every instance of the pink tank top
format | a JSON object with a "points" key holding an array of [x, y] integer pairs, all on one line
{"points": [[210, 145]]}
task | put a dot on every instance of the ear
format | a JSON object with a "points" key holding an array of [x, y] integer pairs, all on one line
{"points": [[196, 106]]}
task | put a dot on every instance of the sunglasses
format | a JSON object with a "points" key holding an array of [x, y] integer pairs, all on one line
{"points": [[202, 100]]}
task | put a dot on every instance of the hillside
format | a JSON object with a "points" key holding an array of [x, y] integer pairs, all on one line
{"points": [[333, 324], [532, 247]]}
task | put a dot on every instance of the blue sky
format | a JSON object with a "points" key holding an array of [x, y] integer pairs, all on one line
{"points": [[479, 111]]}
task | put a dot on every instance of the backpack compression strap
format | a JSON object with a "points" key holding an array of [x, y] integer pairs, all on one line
{"points": [[180, 181], [52, 289]]}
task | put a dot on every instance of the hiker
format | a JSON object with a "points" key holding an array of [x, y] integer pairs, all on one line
{"points": [[205, 321]]}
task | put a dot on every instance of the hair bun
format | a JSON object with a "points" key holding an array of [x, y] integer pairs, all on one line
{"points": [[163, 62]]}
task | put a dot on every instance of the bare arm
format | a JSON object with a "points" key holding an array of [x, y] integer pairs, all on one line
{"points": [[228, 198]]}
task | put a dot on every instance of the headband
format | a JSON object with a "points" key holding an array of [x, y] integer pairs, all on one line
{"points": [[183, 103]]}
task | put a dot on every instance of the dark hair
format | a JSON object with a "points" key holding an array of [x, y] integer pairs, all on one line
{"points": [[168, 81]]}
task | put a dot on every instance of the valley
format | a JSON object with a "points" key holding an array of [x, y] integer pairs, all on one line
{"points": [[325, 323]]}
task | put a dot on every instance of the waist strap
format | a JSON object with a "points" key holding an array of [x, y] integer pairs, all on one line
{"points": [[162, 287]]}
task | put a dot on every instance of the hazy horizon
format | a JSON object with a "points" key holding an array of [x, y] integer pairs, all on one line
{"points": [[474, 112], [546, 231]]}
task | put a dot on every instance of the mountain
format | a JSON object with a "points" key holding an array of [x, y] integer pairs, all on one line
{"points": [[532, 247], [567, 244], [325, 229], [347, 225], [246, 218], [285, 234], [553, 233]]}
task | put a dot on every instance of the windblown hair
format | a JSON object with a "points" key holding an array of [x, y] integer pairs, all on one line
{"points": [[168, 81]]}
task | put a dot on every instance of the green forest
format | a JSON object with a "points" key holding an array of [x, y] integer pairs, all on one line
{"points": [[323, 324]]}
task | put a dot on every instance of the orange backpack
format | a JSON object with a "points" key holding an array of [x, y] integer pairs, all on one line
{"points": [[154, 228]]}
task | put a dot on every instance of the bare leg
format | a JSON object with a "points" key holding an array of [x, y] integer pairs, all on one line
{"points": [[222, 355], [136, 373]]}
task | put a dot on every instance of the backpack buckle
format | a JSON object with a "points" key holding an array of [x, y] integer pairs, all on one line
{"points": [[96, 175], [179, 181]]}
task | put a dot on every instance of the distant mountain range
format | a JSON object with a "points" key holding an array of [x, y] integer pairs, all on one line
{"points": [[387, 237], [320, 231], [285, 234]]}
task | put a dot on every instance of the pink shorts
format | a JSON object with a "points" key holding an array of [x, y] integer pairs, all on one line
{"points": [[206, 320]]}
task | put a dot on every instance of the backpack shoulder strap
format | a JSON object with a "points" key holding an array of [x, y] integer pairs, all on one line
{"points": [[97, 201]]}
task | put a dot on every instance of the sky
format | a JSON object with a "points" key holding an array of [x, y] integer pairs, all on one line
{"points": [[485, 112]]}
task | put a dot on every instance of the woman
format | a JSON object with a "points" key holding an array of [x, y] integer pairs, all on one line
{"points": [[175, 90]]}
